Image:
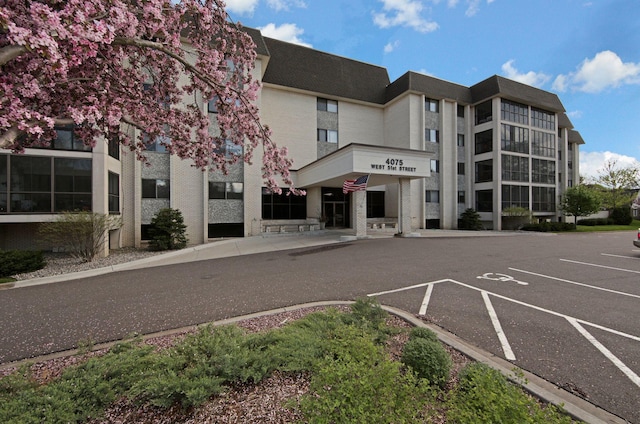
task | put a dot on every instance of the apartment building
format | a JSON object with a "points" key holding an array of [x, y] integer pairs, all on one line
{"points": [[432, 149]]}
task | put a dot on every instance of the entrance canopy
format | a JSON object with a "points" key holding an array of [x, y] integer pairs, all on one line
{"points": [[385, 164]]}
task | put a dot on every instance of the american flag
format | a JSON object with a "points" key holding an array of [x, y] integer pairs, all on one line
{"points": [[358, 184]]}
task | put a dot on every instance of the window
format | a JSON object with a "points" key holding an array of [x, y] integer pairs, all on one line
{"points": [[544, 199], [431, 105], [462, 198], [460, 140], [515, 196], [484, 112], [212, 105], [283, 206], [543, 171], [514, 139], [159, 143], [515, 168], [435, 165], [543, 144], [484, 142], [543, 119], [514, 112], [330, 136], [114, 193], [30, 184], [484, 200], [72, 184], [432, 196], [375, 204], [66, 139], [326, 105], [4, 183], [114, 146], [484, 171], [225, 190], [460, 111], [229, 149], [432, 135], [460, 168], [155, 189]]}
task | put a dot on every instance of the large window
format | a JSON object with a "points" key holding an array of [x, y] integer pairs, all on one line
{"points": [[225, 190], [435, 166], [72, 184], [229, 149], [326, 105], [432, 135], [283, 206], [514, 112], [155, 189], [44, 184], [515, 196], [484, 112], [543, 119], [375, 204], [543, 144], [432, 196], [514, 139], [431, 105], [484, 171], [330, 136], [543, 171], [544, 199], [515, 168], [484, 142], [114, 193], [484, 200]]}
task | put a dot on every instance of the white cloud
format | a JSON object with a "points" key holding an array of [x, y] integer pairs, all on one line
{"points": [[575, 114], [473, 6], [285, 32], [391, 46], [241, 7], [591, 163], [403, 13], [605, 70], [534, 79], [279, 5]]}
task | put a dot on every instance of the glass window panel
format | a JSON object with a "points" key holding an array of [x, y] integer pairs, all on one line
{"points": [[31, 202], [29, 173], [163, 189], [148, 189], [216, 190], [332, 136], [235, 190]]}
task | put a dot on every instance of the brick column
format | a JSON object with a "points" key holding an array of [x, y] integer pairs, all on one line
{"points": [[359, 213]]}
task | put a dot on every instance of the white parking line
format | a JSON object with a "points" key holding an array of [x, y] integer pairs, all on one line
{"points": [[575, 282], [506, 347], [606, 352], [425, 301], [620, 256], [600, 266]]}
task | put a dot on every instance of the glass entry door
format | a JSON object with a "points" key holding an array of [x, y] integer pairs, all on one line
{"points": [[335, 212]]}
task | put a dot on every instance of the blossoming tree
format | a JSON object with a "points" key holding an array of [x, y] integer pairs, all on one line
{"points": [[108, 66]]}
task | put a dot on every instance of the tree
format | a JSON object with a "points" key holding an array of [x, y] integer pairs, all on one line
{"points": [[110, 66], [168, 230], [470, 220], [580, 200], [617, 183]]}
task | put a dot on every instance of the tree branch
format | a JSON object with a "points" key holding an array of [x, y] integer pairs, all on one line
{"points": [[10, 52]]}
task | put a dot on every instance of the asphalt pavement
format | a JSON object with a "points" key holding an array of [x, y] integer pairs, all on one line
{"points": [[227, 248]]}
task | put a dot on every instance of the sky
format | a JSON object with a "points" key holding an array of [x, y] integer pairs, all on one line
{"points": [[587, 52]]}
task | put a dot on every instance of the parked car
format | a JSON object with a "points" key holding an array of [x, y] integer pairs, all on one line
{"points": [[636, 242]]}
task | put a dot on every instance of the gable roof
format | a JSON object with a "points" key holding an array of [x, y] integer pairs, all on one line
{"points": [[307, 69], [509, 89]]}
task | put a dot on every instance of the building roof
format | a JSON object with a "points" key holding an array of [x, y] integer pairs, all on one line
{"points": [[434, 87], [307, 69], [497, 86], [564, 121], [575, 137]]}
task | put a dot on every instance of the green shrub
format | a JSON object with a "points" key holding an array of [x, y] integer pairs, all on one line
{"points": [[470, 220], [550, 227], [592, 222], [423, 333], [168, 230], [428, 359], [621, 215], [484, 395], [364, 387], [14, 262]]}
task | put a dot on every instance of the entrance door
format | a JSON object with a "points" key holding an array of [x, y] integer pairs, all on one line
{"points": [[335, 213]]}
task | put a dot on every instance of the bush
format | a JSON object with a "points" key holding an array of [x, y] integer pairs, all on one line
{"points": [[550, 227], [14, 262], [485, 395], [470, 220], [592, 222], [168, 230], [621, 215], [428, 359], [423, 333]]}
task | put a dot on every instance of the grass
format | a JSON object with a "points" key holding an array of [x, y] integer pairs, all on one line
{"points": [[353, 379], [7, 280], [634, 226]]}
